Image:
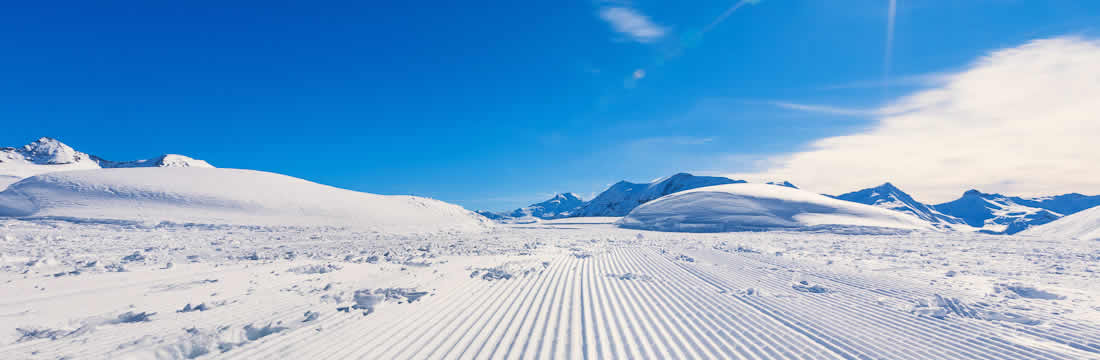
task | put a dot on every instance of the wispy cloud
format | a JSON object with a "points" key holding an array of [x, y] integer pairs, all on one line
{"points": [[887, 61], [826, 109], [632, 23], [1020, 120], [671, 140], [726, 14], [921, 80]]}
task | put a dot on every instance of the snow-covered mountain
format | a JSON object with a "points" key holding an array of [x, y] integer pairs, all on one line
{"points": [[888, 196], [559, 206], [624, 196], [999, 214], [49, 155], [224, 197], [1064, 204], [1084, 225], [490, 215], [782, 183], [166, 160], [740, 207]]}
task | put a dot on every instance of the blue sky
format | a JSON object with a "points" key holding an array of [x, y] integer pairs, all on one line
{"points": [[488, 105]]}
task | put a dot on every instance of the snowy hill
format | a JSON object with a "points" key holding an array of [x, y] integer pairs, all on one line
{"points": [[751, 207], [887, 196], [561, 205], [223, 196], [1084, 225], [624, 196], [49, 155], [999, 214]]}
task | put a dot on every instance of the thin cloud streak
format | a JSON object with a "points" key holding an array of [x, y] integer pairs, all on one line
{"points": [[632, 23], [925, 80], [726, 14], [826, 109], [888, 58]]}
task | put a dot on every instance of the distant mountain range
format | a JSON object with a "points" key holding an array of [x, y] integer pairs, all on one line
{"points": [[974, 211], [1083, 225], [617, 200], [625, 196], [49, 155], [890, 197], [559, 206]]}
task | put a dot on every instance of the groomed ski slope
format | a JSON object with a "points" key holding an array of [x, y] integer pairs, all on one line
{"points": [[554, 290]]}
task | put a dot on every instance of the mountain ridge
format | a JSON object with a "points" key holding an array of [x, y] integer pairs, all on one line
{"points": [[49, 155]]}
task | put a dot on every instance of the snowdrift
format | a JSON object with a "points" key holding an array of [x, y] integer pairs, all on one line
{"points": [[224, 196], [755, 207], [1084, 225]]}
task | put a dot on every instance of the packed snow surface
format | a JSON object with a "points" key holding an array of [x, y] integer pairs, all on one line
{"points": [[1084, 225], [223, 196], [739, 207], [559, 289]]}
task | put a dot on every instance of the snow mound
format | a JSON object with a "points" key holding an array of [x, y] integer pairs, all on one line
{"points": [[224, 196], [750, 207], [1083, 225]]}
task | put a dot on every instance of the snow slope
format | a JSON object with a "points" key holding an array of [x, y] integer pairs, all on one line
{"points": [[738, 207], [998, 214], [887, 196], [1083, 225], [624, 196], [223, 196], [50, 155]]}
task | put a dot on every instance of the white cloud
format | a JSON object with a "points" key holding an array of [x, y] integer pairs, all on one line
{"points": [[632, 23], [1023, 120]]}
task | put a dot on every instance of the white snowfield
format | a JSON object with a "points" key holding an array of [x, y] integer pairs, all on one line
{"points": [[749, 207], [559, 289], [1084, 225], [208, 196]]}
